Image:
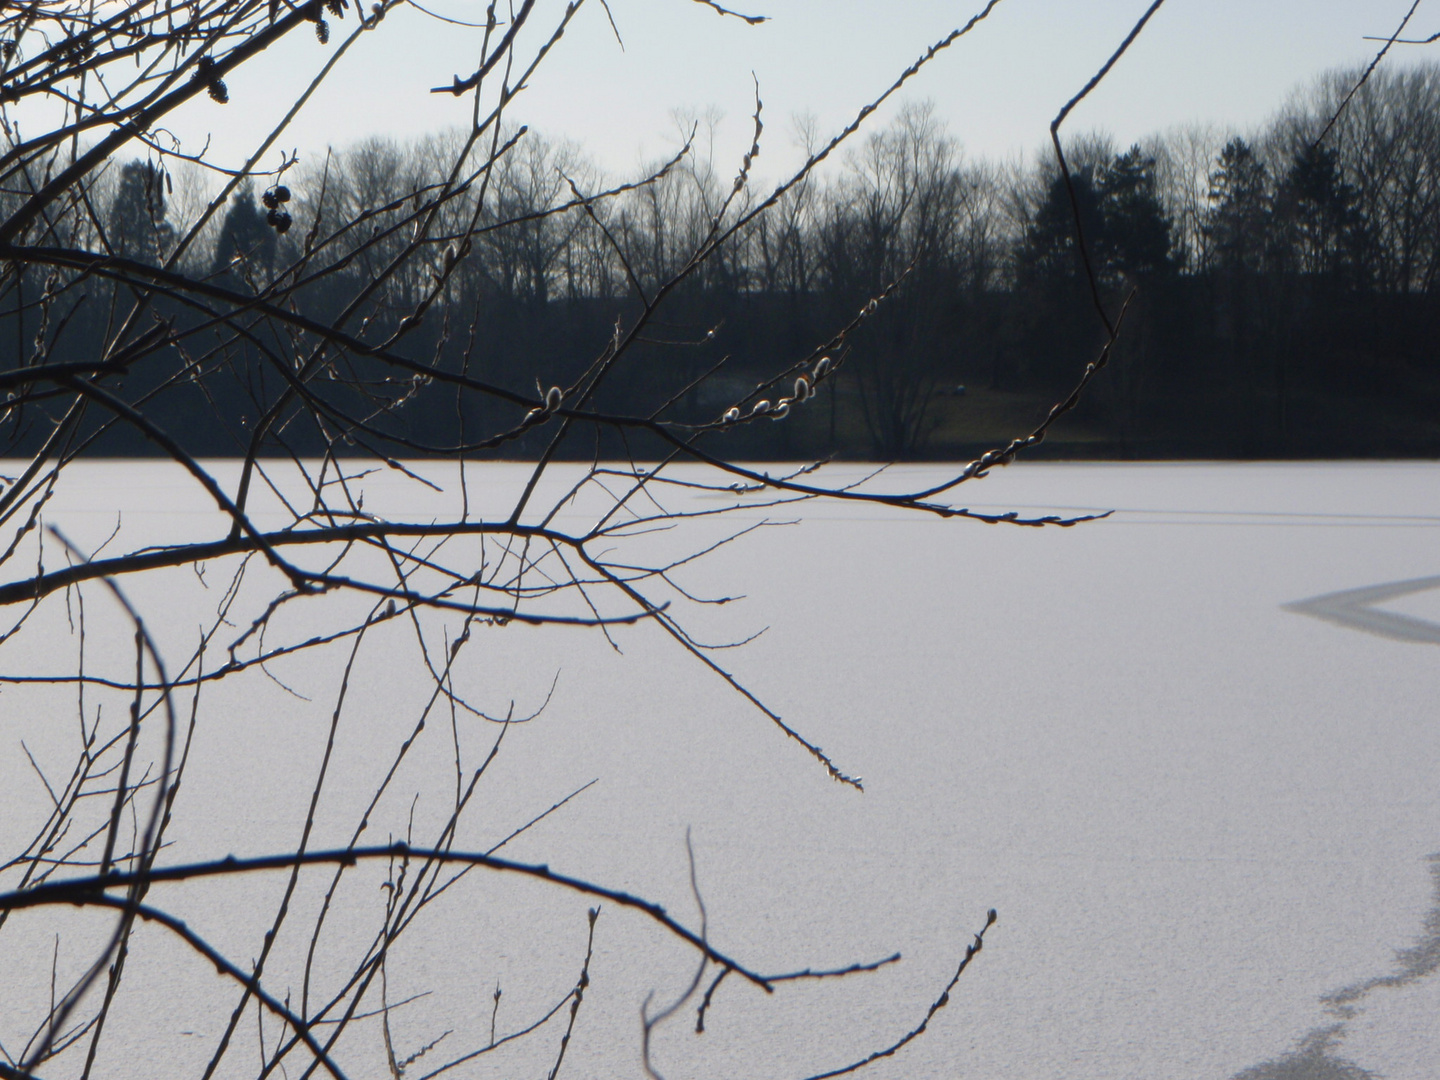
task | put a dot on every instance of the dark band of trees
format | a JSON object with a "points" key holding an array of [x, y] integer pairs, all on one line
{"points": [[1286, 299]]}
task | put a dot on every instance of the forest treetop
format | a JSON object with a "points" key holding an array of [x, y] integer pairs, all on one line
{"points": [[1228, 235]]}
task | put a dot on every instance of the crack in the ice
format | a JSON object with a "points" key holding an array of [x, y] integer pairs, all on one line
{"points": [[1316, 1057]]}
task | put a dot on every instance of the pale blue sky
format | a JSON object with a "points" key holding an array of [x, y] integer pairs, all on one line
{"points": [[1226, 61]]}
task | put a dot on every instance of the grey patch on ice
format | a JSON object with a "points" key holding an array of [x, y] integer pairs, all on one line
{"points": [[1314, 1058], [1356, 609], [1411, 965]]}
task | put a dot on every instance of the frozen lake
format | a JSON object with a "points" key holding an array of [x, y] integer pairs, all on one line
{"points": [[1190, 753]]}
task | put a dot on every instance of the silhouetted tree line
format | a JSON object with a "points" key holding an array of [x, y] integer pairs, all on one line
{"points": [[1284, 288]]}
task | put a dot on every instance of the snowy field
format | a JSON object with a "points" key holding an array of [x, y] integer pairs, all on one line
{"points": [[1191, 754]]}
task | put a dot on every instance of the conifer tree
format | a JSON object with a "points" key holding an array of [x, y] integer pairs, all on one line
{"points": [[1135, 239], [246, 236], [136, 226], [1240, 208], [1317, 209]]}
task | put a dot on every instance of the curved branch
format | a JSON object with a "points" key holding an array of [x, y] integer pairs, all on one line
{"points": [[90, 890]]}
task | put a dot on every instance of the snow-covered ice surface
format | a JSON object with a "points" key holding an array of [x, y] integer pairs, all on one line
{"points": [[1190, 753]]}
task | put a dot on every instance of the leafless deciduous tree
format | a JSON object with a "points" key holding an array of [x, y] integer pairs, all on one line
{"points": [[303, 310]]}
